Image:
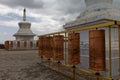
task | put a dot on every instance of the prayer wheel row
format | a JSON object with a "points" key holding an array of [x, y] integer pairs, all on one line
{"points": [[24, 43], [50, 45], [53, 47], [10, 44]]}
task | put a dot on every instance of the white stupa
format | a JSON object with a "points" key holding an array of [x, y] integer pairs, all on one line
{"points": [[24, 32], [96, 11]]}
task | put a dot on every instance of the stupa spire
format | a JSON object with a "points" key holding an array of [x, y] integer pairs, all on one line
{"points": [[24, 14]]}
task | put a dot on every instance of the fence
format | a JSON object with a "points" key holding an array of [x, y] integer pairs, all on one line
{"points": [[63, 49]]}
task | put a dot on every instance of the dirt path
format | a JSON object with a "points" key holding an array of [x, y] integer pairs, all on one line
{"points": [[22, 65]]}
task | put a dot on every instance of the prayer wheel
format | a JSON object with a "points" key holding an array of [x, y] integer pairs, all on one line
{"points": [[59, 47], [11, 44], [97, 50], [41, 45], [74, 48], [25, 44], [49, 47], [37, 43], [18, 44], [46, 47], [31, 44], [6, 44]]}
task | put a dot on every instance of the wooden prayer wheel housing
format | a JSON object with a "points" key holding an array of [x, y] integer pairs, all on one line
{"points": [[59, 47], [37, 43], [41, 46], [18, 44], [6, 44], [11, 44], [74, 48], [97, 50], [25, 44], [31, 44], [49, 47]]}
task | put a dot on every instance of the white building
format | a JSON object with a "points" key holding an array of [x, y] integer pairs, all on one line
{"points": [[98, 11]]}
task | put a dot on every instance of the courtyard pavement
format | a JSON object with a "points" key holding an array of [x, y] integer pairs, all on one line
{"points": [[23, 65]]}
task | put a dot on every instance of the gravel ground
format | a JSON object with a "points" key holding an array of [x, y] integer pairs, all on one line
{"points": [[23, 65]]}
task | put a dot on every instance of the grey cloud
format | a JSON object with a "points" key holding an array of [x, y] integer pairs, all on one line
{"points": [[63, 10], [23, 3], [59, 19], [62, 7], [71, 6]]}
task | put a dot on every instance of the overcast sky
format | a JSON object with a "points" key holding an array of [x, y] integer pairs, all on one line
{"points": [[45, 15]]}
